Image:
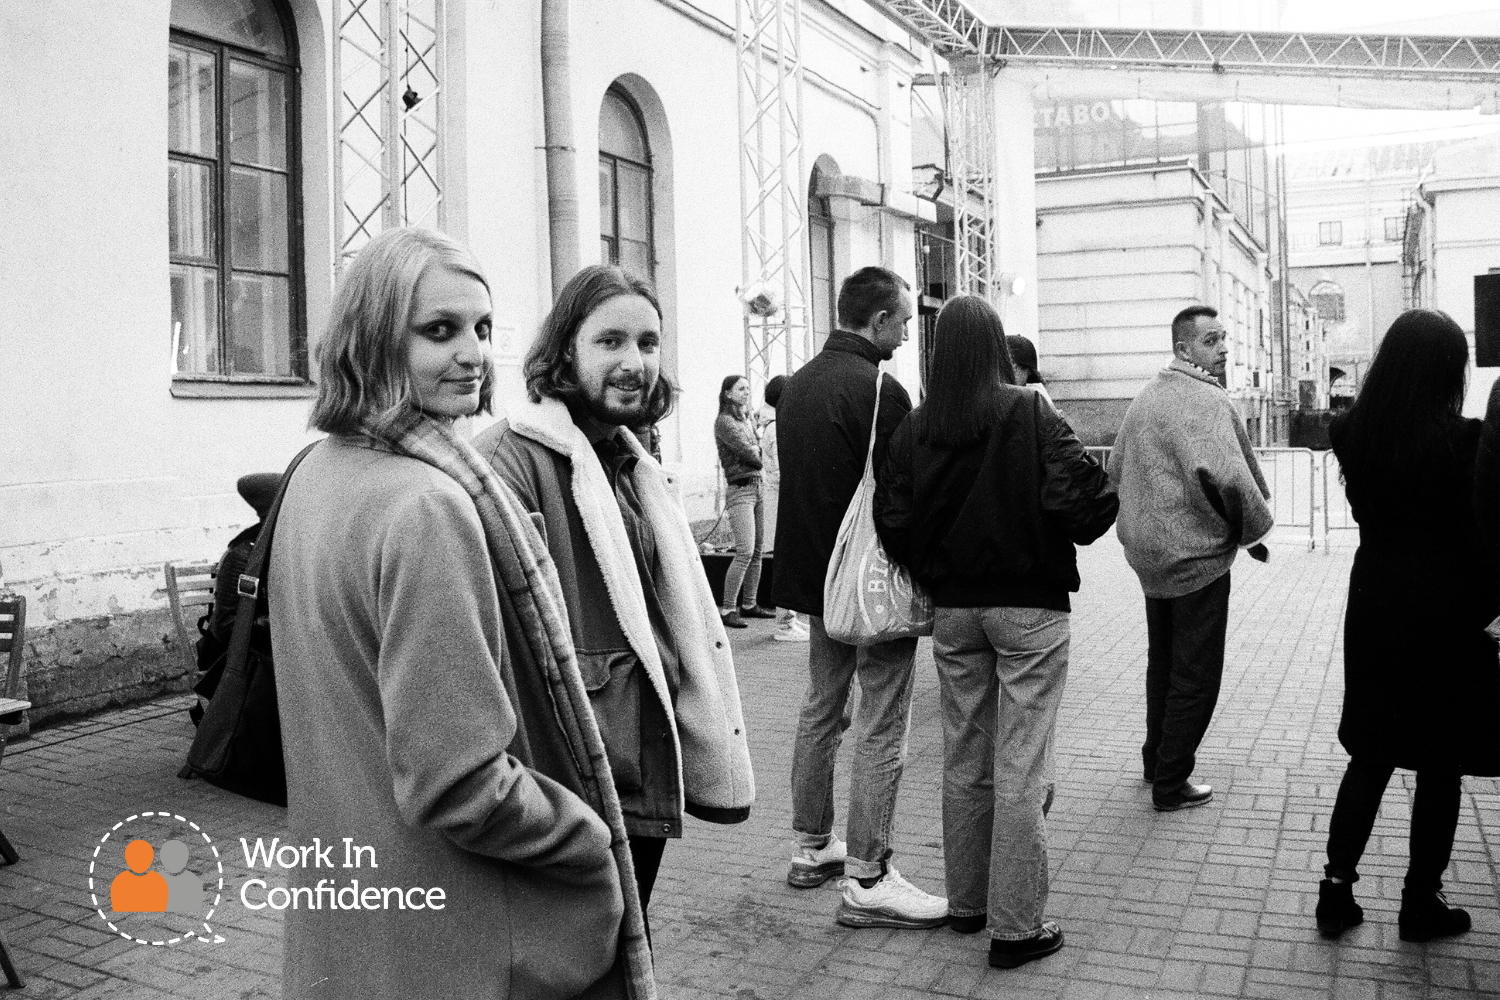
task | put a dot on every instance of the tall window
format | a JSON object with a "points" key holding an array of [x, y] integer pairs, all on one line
{"points": [[625, 235], [232, 191], [823, 314], [1328, 299]]}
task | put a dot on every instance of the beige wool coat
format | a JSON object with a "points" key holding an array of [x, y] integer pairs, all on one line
{"points": [[399, 724]]}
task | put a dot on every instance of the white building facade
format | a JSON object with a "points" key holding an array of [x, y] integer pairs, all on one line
{"points": [[1120, 252], [184, 177]]}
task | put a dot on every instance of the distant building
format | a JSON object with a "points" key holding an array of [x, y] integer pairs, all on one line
{"points": [[1119, 252], [1346, 221], [1308, 343], [1453, 236]]}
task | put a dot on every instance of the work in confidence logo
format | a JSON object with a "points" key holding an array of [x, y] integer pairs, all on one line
{"points": [[156, 878]]}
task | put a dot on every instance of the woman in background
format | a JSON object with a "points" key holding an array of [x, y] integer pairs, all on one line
{"points": [[1023, 358], [788, 627], [739, 454], [1421, 685]]}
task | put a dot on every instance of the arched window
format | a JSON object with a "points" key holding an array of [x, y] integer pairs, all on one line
{"points": [[1328, 299], [625, 235], [232, 184], [824, 306]]}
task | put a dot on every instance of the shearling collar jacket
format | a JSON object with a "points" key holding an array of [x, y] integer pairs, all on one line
{"points": [[698, 746]]}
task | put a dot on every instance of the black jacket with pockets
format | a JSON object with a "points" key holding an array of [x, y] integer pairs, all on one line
{"points": [[992, 523], [822, 434]]}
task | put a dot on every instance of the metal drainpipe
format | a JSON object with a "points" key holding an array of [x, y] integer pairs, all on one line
{"points": [[557, 128]]}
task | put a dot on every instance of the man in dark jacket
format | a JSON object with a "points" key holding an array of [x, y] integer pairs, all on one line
{"points": [[824, 419]]}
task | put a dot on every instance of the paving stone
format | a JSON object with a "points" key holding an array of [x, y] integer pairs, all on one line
{"points": [[1210, 902]]}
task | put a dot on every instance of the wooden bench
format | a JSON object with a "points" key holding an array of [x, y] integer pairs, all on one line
{"points": [[190, 590], [12, 644]]}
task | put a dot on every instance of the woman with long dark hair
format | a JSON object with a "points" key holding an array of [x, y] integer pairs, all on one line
{"points": [[984, 493], [1421, 684], [739, 454]]}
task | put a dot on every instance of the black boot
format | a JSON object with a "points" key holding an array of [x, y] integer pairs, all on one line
{"points": [[1427, 915], [1337, 911]]}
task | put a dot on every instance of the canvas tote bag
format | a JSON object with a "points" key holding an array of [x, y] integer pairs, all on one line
{"points": [[867, 598]]}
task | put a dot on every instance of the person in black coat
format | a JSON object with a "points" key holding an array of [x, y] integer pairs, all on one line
{"points": [[1421, 679], [982, 497], [825, 421]]}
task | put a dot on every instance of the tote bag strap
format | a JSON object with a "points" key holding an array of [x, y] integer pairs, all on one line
{"points": [[874, 425]]}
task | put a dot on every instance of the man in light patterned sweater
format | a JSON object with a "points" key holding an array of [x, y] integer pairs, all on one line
{"points": [[1191, 495]]}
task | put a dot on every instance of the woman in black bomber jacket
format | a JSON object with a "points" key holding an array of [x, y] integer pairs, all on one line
{"points": [[983, 495]]}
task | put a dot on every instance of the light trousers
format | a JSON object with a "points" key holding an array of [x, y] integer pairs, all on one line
{"points": [[1001, 673]]}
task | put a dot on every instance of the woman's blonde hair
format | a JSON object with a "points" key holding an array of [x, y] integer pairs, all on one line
{"points": [[362, 368]]}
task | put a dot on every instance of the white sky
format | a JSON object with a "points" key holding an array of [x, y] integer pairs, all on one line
{"points": [[1480, 17]]}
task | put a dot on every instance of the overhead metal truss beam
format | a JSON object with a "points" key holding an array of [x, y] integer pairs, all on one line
{"points": [[773, 202], [951, 28], [388, 170], [1350, 55]]}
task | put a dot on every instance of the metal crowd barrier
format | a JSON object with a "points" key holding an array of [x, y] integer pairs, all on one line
{"points": [[1336, 513], [1293, 476]]}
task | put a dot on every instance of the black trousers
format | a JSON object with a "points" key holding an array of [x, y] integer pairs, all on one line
{"points": [[1434, 818], [645, 853], [1184, 665]]}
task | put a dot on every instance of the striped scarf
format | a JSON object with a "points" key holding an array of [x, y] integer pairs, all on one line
{"points": [[524, 568]]}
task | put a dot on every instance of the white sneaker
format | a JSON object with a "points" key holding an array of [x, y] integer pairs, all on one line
{"points": [[891, 902], [812, 868], [791, 632]]}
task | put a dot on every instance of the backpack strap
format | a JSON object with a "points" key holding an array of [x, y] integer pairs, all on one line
{"points": [[251, 584]]}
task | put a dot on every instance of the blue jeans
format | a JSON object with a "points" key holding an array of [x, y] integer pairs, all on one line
{"points": [[744, 509], [1001, 673], [885, 673]]}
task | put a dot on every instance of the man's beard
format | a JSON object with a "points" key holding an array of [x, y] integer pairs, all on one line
{"points": [[627, 415]]}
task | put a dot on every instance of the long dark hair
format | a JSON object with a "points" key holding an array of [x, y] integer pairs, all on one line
{"points": [[549, 366], [1412, 393], [969, 362], [727, 405]]}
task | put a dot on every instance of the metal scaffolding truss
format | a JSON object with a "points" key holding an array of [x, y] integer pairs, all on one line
{"points": [[951, 28], [388, 170], [768, 44], [1390, 56], [975, 50], [969, 117]]}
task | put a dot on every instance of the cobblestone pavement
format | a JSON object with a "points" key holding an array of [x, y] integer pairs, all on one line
{"points": [[1210, 902]]}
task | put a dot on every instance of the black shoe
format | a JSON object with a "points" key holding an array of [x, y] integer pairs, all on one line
{"points": [[1337, 910], [1010, 954], [756, 611], [1186, 796], [1425, 916], [972, 924], [732, 619]]}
